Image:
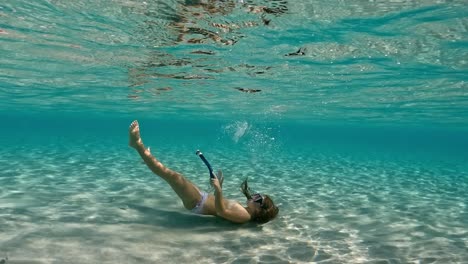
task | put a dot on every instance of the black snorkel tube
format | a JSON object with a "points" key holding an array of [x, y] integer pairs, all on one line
{"points": [[210, 169]]}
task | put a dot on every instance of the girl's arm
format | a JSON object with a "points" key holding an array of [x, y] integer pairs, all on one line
{"points": [[237, 214]]}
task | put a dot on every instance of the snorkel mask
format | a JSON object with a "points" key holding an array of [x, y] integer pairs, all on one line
{"points": [[251, 195], [258, 198]]}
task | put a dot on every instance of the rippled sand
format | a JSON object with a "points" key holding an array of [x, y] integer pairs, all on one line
{"points": [[97, 203]]}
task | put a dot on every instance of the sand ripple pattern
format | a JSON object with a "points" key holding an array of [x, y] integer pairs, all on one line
{"points": [[79, 203]]}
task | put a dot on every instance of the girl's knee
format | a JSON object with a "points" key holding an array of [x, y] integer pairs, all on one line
{"points": [[178, 179]]}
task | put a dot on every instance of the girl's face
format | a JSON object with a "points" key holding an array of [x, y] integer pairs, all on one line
{"points": [[253, 205]]}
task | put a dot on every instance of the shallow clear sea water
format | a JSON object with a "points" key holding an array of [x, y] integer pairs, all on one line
{"points": [[352, 115]]}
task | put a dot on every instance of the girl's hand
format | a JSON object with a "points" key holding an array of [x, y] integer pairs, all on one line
{"points": [[215, 183]]}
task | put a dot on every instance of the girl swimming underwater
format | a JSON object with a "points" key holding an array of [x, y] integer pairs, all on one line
{"points": [[259, 209]]}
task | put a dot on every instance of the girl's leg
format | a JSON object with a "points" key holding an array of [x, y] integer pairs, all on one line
{"points": [[187, 191]]}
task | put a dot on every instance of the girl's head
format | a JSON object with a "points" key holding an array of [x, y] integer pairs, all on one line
{"points": [[261, 206]]}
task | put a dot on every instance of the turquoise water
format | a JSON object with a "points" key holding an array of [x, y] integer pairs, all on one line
{"points": [[351, 115]]}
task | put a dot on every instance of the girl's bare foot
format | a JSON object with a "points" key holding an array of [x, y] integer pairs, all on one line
{"points": [[134, 135]]}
